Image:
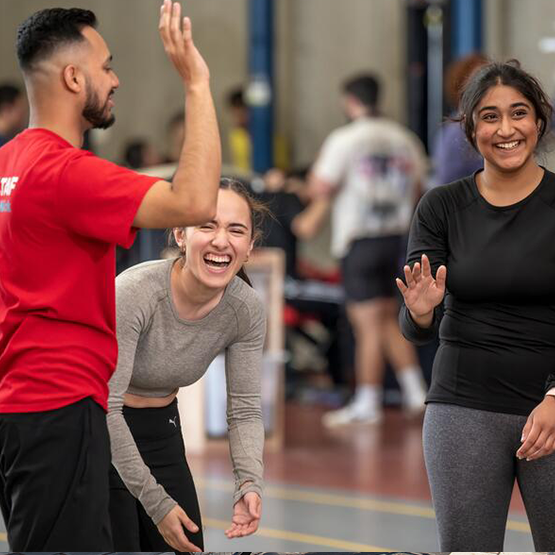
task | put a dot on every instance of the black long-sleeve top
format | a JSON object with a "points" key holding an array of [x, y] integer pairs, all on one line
{"points": [[497, 335]]}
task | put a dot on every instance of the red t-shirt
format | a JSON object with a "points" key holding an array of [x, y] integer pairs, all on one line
{"points": [[62, 211]]}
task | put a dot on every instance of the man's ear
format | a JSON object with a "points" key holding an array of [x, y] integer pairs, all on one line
{"points": [[73, 79]]}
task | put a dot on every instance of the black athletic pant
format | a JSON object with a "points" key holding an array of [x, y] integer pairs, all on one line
{"points": [[54, 466], [157, 433]]}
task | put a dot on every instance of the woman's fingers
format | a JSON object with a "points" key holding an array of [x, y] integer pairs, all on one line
{"points": [[441, 276], [235, 531], [187, 522], [408, 275], [178, 540], [401, 286], [538, 446], [547, 449], [421, 275], [426, 270], [412, 276], [416, 272], [530, 440]]}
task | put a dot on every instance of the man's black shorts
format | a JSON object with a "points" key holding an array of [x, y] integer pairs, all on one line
{"points": [[371, 266]]}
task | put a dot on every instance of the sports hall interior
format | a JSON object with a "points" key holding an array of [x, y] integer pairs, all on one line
{"points": [[354, 488]]}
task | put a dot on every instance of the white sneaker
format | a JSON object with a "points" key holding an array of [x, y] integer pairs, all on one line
{"points": [[351, 414], [413, 403]]}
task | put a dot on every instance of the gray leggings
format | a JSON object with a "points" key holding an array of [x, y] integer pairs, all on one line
{"points": [[471, 464]]}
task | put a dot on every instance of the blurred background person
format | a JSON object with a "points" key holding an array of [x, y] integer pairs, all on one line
{"points": [[137, 154], [140, 153], [239, 140], [175, 135], [313, 316], [373, 169], [13, 112], [239, 136], [452, 156]]}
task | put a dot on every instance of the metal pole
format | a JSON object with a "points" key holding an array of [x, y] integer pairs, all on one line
{"points": [[434, 26], [467, 26], [259, 93]]}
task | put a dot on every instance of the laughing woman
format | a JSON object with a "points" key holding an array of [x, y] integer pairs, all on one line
{"points": [[173, 318]]}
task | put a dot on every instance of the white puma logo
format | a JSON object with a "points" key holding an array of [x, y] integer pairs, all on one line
{"points": [[173, 421]]}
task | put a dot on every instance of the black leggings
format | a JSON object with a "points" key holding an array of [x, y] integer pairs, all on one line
{"points": [[160, 443]]}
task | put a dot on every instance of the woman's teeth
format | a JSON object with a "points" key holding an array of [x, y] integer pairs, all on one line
{"points": [[218, 261], [508, 146]]}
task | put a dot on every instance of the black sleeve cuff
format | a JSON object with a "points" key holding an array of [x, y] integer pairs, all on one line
{"points": [[550, 382], [414, 333]]}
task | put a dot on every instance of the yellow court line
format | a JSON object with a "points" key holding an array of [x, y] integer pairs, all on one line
{"points": [[303, 538], [3, 537], [345, 501]]}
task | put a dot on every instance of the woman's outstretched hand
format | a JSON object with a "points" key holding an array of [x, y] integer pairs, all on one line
{"points": [[246, 516], [422, 293]]}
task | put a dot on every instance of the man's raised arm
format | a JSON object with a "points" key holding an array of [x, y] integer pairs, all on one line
{"points": [[191, 198]]}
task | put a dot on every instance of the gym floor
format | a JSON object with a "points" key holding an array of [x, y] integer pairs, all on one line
{"points": [[357, 489]]}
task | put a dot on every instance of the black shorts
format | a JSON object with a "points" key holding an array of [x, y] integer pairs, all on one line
{"points": [[371, 266]]}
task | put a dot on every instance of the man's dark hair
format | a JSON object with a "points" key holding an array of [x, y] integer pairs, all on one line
{"points": [[9, 94], [235, 98], [41, 34], [365, 88]]}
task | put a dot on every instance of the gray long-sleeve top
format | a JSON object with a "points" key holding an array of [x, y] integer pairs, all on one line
{"points": [[160, 352]]}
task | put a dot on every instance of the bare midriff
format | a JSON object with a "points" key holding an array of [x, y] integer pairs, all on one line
{"points": [[138, 402]]}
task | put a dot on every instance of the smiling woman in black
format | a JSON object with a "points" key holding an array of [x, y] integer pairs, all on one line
{"points": [[485, 245], [498, 332]]}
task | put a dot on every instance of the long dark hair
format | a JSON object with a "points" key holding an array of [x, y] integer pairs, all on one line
{"points": [[257, 209]]}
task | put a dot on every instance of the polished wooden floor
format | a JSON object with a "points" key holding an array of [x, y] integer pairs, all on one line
{"points": [[362, 488], [377, 460]]}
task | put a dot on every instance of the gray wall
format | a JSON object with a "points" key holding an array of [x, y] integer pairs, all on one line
{"points": [[327, 41], [150, 90], [319, 43]]}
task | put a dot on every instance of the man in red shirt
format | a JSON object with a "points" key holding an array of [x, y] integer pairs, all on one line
{"points": [[62, 211]]}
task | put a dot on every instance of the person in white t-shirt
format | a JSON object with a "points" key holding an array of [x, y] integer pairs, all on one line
{"points": [[371, 170]]}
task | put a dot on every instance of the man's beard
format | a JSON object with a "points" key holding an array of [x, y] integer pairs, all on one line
{"points": [[99, 116]]}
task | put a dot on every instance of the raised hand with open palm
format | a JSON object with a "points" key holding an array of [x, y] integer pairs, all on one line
{"points": [[422, 292]]}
